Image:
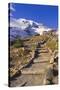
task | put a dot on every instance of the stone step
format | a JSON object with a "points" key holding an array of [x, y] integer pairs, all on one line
{"points": [[22, 84], [41, 49], [37, 68], [33, 72], [41, 61], [40, 57], [44, 55]]}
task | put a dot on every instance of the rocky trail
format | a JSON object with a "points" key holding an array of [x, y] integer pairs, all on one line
{"points": [[35, 73]]}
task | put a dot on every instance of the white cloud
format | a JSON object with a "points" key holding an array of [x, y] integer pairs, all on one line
{"points": [[11, 7], [41, 29], [11, 14]]}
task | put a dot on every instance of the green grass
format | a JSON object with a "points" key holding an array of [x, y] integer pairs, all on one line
{"points": [[17, 43]]}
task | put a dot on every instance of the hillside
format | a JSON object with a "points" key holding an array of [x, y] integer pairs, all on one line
{"points": [[34, 49]]}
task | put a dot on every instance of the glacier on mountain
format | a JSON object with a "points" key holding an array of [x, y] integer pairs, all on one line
{"points": [[25, 28]]}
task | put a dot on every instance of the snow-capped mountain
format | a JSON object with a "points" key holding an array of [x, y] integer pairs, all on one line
{"points": [[25, 28]]}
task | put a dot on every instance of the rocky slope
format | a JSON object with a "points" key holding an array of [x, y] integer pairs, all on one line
{"points": [[34, 60]]}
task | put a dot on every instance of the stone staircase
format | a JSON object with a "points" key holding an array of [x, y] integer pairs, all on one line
{"points": [[38, 68], [39, 63], [35, 73]]}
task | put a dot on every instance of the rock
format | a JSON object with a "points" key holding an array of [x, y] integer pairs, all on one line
{"points": [[51, 60], [15, 73], [22, 84], [48, 77], [56, 59], [55, 80], [55, 66]]}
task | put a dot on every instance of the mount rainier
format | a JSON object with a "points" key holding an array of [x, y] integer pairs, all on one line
{"points": [[25, 28]]}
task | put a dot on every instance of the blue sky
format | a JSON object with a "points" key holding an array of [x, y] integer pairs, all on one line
{"points": [[45, 14]]}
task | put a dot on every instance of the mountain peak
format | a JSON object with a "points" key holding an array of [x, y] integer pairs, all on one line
{"points": [[25, 28]]}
